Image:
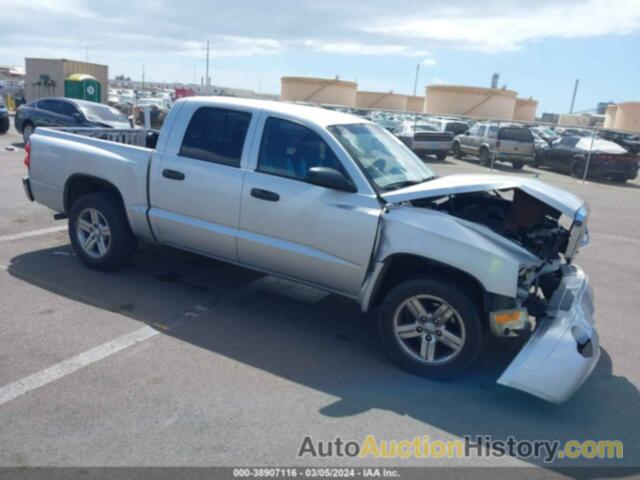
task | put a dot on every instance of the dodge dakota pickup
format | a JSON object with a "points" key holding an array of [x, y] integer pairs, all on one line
{"points": [[339, 203]]}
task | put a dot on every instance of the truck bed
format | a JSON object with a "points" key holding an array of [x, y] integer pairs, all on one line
{"points": [[59, 155]]}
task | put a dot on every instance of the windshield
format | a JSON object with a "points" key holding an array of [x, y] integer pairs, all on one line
{"points": [[387, 161], [102, 113]]}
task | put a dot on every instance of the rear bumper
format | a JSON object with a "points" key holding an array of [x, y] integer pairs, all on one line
{"points": [[517, 157], [26, 184], [431, 147], [564, 349], [612, 169]]}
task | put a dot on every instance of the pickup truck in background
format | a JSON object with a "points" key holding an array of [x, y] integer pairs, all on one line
{"points": [[339, 203], [425, 139]]}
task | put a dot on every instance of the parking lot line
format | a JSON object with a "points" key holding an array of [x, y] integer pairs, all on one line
{"points": [[32, 233], [73, 364]]}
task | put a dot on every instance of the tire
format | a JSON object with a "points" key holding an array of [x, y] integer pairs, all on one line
{"points": [[517, 164], [536, 160], [576, 168], [619, 179], [441, 157], [484, 156], [4, 126], [27, 131], [464, 323], [457, 152], [108, 251]]}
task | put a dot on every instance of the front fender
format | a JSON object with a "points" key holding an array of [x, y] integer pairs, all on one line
{"points": [[489, 258]]}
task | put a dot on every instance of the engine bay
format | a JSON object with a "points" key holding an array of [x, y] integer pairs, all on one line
{"points": [[513, 214]]}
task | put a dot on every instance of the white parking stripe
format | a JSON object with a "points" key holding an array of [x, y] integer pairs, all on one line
{"points": [[32, 233], [73, 364]]}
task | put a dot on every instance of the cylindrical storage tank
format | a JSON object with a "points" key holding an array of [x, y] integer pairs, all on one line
{"points": [[525, 110], [318, 90], [610, 116], [381, 101], [628, 116], [415, 104], [470, 101]]}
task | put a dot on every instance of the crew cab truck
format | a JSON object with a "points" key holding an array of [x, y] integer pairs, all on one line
{"points": [[338, 202]]}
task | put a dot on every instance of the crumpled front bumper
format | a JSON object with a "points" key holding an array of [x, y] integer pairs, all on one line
{"points": [[564, 349]]}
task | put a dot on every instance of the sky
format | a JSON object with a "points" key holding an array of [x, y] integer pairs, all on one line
{"points": [[539, 47]]}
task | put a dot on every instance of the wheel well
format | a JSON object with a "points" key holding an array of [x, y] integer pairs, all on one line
{"points": [[79, 185], [401, 267]]}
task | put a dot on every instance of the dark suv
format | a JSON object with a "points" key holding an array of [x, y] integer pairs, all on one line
{"points": [[4, 117], [66, 112]]}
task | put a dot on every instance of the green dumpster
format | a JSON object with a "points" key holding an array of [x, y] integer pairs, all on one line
{"points": [[83, 87]]}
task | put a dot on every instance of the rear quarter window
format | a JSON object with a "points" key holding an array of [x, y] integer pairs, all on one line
{"points": [[515, 134]]}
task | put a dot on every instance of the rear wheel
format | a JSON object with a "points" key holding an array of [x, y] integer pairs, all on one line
{"points": [[4, 126], [441, 157], [99, 231], [431, 328], [517, 164], [576, 168]]}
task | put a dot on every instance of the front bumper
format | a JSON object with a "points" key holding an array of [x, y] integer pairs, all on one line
{"points": [[564, 349]]}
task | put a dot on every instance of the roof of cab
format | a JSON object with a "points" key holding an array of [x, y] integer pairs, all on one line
{"points": [[317, 115]]}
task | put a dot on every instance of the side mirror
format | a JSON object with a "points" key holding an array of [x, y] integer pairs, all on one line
{"points": [[329, 178], [78, 117]]}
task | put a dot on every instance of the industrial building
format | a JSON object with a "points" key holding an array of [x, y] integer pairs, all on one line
{"points": [[318, 90], [415, 104], [470, 101], [623, 116], [525, 110], [45, 77], [381, 101]]}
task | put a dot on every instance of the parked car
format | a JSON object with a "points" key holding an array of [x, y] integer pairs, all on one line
{"points": [[425, 139], [569, 154], [507, 143], [454, 127], [629, 141], [544, 133], [4, 117], [66, 112], [337, 202], [158, 109]]}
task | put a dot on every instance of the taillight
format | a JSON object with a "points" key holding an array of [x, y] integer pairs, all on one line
{"points": [[497, 143], [27, 156]]}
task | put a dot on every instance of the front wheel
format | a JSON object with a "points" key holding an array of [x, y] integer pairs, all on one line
{"points": [[27, 131], [441, 157], [576, 169], [457, 152], [431, 328], [99, 231]]}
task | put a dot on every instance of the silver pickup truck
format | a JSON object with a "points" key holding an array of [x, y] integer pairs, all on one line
{"points": [[333, 201]]}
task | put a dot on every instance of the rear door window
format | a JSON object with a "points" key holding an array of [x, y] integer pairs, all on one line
{"points": [[516, 134], [216, 135]]}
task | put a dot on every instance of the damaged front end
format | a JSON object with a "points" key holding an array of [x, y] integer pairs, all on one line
{"points": [[553, 303]]}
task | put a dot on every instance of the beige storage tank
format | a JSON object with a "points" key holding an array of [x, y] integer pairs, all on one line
{"points": [[318, 90], [574, 120], [471, 101], [627, 117], [610, 116], [525, 110], [415, 104], [381, 101]]}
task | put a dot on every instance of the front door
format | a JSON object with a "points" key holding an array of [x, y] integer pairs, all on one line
{"points": [[299, 230]]}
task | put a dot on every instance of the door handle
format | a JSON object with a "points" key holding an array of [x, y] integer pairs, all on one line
{"points": [[265, 195], [173, 174]]}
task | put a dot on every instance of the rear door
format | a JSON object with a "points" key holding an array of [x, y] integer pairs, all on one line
{"points": [[466, 140], [197, 180], [515, 141], [299, 230]]}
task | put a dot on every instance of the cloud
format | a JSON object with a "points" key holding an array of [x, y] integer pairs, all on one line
{"points": [[429, 62], [509, 28]]}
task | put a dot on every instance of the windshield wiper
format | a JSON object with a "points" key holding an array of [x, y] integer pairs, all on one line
{"points": [[407, 183]]}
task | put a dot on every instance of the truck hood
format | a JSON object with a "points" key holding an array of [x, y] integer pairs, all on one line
{"points": [[557, 198]]}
